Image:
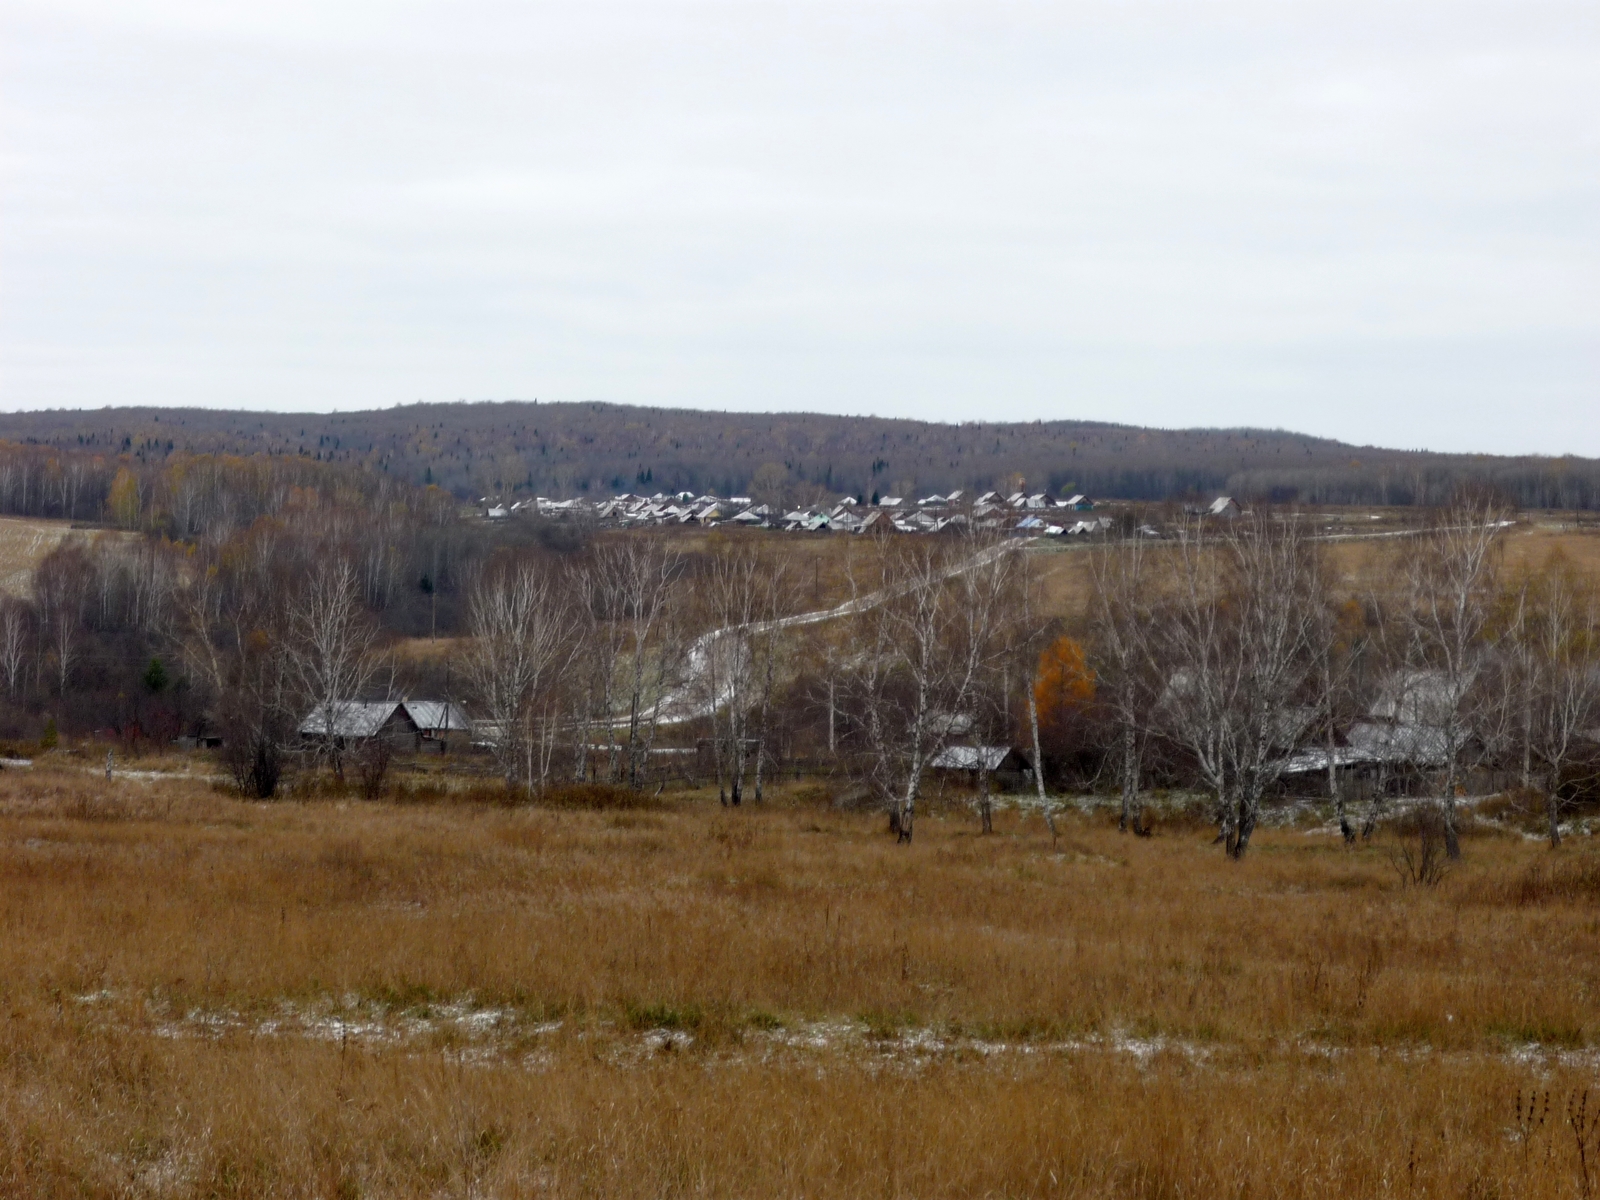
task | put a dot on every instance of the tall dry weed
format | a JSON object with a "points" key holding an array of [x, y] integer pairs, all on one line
{"points": [[210, 996]]}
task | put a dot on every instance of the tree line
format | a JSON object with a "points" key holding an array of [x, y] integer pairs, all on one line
{"points": [[1234, 658], [562, 450]]}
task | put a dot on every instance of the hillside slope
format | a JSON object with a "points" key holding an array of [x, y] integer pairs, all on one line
{"points": [[576, 448]]}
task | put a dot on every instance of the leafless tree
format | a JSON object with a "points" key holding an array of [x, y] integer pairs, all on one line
{"points": [[765, 642], [644, 578], [1121, 622], [920, 649], [1025, 636], [1564, 675], [13, 643], [1340, 643], [603, 639], [1451, 577], [1276, 596], [333, 650], [1199, 675], [746, 593], [61, 590], [522, 628], [1234, 642]]}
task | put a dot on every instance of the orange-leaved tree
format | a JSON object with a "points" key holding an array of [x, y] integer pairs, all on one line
{"points": [[1064, 683]]}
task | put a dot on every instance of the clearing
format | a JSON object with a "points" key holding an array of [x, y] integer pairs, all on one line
{"points": [[325, 997]]}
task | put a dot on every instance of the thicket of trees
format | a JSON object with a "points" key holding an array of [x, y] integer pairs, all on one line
{"points": [[213, 555], [1242, 657], [1230, 657]]}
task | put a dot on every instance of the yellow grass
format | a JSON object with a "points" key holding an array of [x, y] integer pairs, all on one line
{"points": [[24, 542], [201, 996]]}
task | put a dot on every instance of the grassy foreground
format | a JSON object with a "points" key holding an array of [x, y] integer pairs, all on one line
{"points": [[205, 997]]}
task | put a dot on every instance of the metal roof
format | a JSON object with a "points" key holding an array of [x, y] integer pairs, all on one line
{"points": [[349, 718], [437, 715], [970, 758]]}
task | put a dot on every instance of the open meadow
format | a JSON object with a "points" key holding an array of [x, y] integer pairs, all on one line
{"points": [[203, 996], [24, 543]]}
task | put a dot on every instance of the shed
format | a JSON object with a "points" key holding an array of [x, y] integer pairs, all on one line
{"points": [[1007, 766], [436, 722], [348, 721]]}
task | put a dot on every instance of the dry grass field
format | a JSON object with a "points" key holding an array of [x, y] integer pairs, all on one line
{"points": [[201, 996], [24, 541]]}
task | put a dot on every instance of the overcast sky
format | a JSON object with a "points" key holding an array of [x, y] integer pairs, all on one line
{"points": [[1376, 221]]}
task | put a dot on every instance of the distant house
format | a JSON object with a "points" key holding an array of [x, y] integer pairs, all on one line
{"points": [[1080, 502], [1223, 506], [879, 521], [417, 725], [437, 722], [1406, 732], [1007, 766], [346, 722]]}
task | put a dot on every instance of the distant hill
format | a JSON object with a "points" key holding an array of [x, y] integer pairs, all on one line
{"points": [[590, 448]]}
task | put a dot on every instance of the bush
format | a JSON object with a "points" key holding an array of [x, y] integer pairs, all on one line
{"points": [[371, 762], [1420, 858], [254, 759]]}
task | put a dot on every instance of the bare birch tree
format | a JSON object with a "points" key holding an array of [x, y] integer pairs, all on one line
{"points": [[1235, 642], [1450, 577], [1565, 684], [1275, 604], [747, 594], [522, 628], [13, 644], [633, 589], [1339, 644], [1199, 676], [921, 647], [332, 651], [1121, 622]]}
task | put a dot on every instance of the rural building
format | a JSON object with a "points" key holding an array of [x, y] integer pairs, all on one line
{"points": [[417, 725], [1007, 766], [437, 722]]}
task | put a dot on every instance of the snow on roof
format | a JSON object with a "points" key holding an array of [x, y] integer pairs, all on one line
{"points": [[436, 714], [1420, 697], [970, 758], [349, 718]]}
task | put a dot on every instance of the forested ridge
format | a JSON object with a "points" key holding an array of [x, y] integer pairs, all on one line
{"points": [[566, 449]]}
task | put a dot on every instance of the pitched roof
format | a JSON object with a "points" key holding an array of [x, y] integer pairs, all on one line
{"points": [[437, 714], [350, 718], [971, 758]]}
